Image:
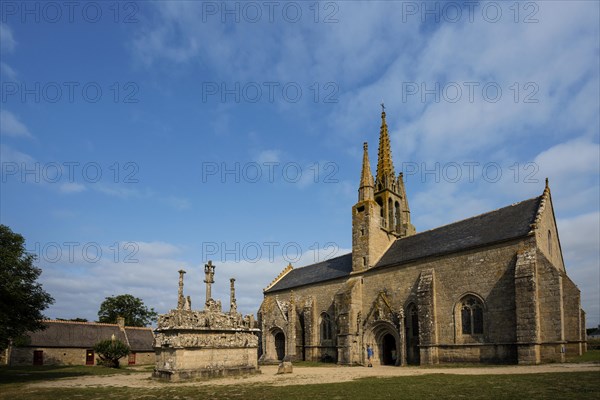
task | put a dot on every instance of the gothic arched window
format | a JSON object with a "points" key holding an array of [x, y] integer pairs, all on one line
{"points": [[326, 327], [471, 316]]}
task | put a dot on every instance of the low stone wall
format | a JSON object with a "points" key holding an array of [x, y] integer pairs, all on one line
{"points": [[477, 353]]}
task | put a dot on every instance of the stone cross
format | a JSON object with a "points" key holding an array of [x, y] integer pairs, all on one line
{"points": [[209, 272], [180, 298]]}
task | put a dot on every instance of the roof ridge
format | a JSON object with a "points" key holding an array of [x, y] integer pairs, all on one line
{"points": [[283, 273], [320, 262], [90, 323], [470, 218], [59, 321]]}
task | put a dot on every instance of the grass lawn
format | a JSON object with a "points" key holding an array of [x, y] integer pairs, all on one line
{"points": [[33, 374], [574, 385], [589, 356]]}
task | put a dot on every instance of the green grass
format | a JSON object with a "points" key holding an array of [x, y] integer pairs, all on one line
{"points": [[313, 364], [567, 386], [589, 356], [32, 374]]}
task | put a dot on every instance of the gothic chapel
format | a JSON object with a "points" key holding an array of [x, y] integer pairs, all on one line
{"points": [[491, 288]]}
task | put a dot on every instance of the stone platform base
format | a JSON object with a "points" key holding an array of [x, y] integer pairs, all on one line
{"points": [[183, 375]]}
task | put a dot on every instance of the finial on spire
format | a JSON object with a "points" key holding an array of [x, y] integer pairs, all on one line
{"points": [[366, 186], [547, 185], [382, 106], [385, 167]]}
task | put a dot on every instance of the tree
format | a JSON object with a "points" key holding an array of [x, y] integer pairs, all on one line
{"points": [[22, 298], [125, 305], [72, 319], [109, 351]]}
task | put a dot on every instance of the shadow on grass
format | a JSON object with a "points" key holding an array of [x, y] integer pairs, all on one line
{"points": [[33, 374]]}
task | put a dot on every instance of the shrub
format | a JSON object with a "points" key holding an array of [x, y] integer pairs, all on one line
{"points": [[110, 351]]}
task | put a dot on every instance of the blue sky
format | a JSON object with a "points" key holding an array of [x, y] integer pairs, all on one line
{"points": [[138, 138]]}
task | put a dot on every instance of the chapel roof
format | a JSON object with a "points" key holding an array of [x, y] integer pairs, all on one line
{"points": [[507, 223], [87, 334]]}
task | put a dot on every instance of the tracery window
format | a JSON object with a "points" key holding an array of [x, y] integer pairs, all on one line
{"points": [[326, 327], [471, 315]]}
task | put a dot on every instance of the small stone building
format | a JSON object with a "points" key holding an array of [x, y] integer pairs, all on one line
{"points": [[72, 343], [491, 288], [208, 343]]}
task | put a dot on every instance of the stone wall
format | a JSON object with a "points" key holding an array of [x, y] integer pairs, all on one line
{"points": [[531, 308], [309, 303], [179, 364], [487, 273], [546, 233], [23, 356]]}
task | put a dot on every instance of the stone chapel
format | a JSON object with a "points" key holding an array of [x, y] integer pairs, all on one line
{"points": [[492, 288]]}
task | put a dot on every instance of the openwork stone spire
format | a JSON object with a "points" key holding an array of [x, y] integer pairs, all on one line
{"points": [[385, 167], [367, 185]]}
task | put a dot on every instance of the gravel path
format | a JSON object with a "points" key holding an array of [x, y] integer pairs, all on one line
{"points": [[312, 375]]}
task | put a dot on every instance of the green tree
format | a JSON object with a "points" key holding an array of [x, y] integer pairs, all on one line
{"points": [[22, 298], [125, 305], [109, 351]]}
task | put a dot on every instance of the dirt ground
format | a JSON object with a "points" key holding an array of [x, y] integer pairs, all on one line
{"points": [[312, 375]]}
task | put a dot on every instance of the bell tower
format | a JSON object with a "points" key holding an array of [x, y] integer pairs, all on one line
{"points": [[390, 193], [381, 214]]}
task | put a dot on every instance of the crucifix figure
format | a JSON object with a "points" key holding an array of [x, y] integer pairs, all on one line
{"points": [[209, 272]]}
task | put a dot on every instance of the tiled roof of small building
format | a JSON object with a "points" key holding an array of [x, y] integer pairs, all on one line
{"points": [[87, 334], [496, 226]]}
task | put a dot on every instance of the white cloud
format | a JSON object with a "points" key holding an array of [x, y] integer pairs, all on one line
{"points": [[8, 71], [580, 242], [71, 187], [268, 156], [11, 126], [179, 203], [7, 40], [11, 155]]}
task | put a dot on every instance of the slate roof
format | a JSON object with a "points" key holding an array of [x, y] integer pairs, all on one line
{"points": [[506, 223], [323, 271], [87, 334], [496, 226]]}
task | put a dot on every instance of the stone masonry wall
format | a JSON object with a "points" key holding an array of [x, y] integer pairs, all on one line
{"points": [[322, 297], [67, 356]]}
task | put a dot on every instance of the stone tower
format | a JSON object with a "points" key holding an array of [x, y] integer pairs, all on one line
{"points": [[381, 214]]}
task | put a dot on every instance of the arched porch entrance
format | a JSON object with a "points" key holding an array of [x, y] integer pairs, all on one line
{"points": [[279, 338], [383, 337]]}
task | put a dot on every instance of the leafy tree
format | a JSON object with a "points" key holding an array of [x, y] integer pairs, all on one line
{"points": [[125, 305], [72, 319], [109, 351], [22, 299]]}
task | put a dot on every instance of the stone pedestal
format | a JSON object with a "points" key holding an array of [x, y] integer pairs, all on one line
{"points": [[205, 344]]}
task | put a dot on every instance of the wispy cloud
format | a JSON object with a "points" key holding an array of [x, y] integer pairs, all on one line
{"points": [[7, 71], [71, 187], [7, 40], [10, 125]]}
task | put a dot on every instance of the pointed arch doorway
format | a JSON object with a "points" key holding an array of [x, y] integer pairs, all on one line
{"points": [[279, 344], [383, 337], [411, 323]]}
